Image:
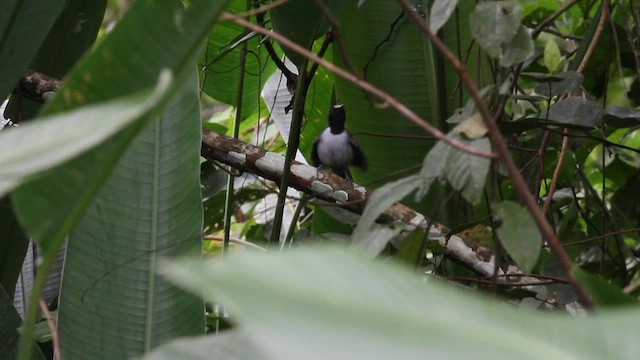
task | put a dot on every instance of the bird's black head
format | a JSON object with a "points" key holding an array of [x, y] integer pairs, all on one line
{"points": [[337, 118]]}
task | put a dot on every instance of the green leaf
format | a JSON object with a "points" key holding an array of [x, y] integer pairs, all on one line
{"points": [[558, 84], [128, 60], [518, 233], [373, 239], [519, 49], [24, 24], [440, 12], [495, 23], [466, 173], [552, 56], [390, 309], [228, 345], [621, 117], [576, 110], [112, 304], [602, 293], [77, 131]]}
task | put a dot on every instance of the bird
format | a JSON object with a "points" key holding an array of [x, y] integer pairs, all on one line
{"points": [[336, 148]]}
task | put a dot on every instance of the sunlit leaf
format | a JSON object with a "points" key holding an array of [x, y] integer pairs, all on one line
{"points": [[552, 56]]}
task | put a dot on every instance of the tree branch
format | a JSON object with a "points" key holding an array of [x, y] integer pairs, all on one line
{"points": [[332, 188]]}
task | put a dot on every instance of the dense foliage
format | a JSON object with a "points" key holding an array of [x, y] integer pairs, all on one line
{"points": [[507, 129]]}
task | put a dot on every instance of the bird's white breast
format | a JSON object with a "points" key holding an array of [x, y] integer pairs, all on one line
{"points": [[334, 149]]}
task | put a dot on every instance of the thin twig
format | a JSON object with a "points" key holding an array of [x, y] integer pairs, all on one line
{"points": [[599, 237], [545, 22], [556, 172], [262, 9], [52, 327], [596, 36], [235, 241]]}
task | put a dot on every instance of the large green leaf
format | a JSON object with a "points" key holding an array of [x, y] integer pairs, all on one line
{"points": [[153, 35], [329, 304], [229, 345], [24, 24], [518, 233], [383, 197], [112, 304]]}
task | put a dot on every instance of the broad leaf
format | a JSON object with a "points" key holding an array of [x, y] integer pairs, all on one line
{"points": [[557, 84], [393, 312], [621, 117], [228, 345], [518, 233], [50, 206], [576, 110], [519, 49], [112, 304], [374, 238], [552, 56], [465, 172]]}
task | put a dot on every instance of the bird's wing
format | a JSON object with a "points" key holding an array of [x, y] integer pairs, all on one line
{"points": [[359, 160], [315, 160]]}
